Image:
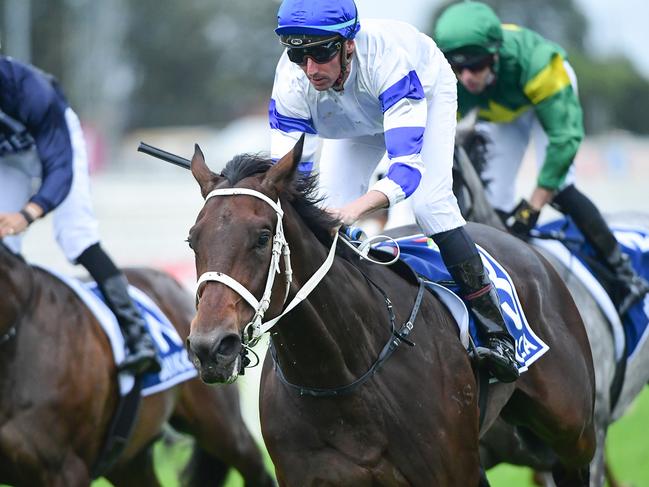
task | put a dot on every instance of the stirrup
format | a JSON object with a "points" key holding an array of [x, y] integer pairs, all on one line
{"points": [[140, 362], [141, 357], [632, 297], [499, 359]]}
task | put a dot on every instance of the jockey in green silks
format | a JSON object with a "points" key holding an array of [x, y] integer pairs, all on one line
{"points": [[524, 88]]}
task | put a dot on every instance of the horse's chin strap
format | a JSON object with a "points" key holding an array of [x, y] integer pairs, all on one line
{"points": [[255, 328]]}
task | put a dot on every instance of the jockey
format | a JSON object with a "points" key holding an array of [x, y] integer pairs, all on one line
{"points": [[40, 137], [381, 91], [523, 87]]}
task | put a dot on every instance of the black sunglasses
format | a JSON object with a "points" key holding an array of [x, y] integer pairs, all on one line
{"points": [[322, 53], [473, 65]]}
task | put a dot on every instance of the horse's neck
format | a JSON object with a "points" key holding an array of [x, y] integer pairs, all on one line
{"points": [[481, 209], [327, 335]]}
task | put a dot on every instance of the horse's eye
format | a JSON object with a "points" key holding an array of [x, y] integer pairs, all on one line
{"points": [[263, 239], [189, 242]]}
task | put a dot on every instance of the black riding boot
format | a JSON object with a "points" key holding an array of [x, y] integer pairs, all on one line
{"points": [[465, 266], [629, 287], [141, 354], [479, 292]]}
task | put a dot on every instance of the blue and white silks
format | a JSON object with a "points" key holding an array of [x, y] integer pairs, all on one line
{"points": [[392, 75]]}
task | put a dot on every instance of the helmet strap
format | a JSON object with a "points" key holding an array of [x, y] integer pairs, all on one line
{"points": [[493, 70], [344, 63]]}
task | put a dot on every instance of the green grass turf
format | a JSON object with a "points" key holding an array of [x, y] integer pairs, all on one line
{"points": [[628, 451]]}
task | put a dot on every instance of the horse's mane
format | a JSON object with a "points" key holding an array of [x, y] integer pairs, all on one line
{"points": [[302, 192]]}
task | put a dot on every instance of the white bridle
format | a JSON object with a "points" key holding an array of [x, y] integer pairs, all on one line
{"points": [[280, 247]]}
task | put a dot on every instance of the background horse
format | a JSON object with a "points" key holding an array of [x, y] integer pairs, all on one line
{"points": [[499, 447], [326, 417], [59, 391]]}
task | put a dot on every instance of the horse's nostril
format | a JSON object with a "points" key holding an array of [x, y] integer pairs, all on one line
{"points": [[229, 345], [199, 349]]}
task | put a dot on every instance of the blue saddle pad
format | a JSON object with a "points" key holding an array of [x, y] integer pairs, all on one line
{"points": [[635, 243], [176, 366], [423, 256]]}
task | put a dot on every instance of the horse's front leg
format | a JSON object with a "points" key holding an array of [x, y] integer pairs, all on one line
{"points": [[38, 460], [137, 472], [73, 473]]}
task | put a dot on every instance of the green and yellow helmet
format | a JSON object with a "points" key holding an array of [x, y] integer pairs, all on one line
{"points": [[468, 29]]}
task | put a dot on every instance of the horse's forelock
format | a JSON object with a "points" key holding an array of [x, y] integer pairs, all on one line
{"points": [[244, 166]]}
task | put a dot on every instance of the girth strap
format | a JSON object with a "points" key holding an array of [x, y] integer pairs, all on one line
{"points": [[119, 430]]}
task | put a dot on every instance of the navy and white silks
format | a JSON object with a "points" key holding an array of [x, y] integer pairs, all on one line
{"points": [[31, 101], [399, 103]]}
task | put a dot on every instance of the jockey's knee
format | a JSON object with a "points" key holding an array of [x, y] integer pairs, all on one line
{"points": [[437, 216]]}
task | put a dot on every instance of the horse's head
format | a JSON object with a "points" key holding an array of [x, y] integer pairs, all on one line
{"points": [[238, 241]]}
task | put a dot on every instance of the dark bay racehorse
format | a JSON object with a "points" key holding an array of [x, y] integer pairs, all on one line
{"points": [[511, 447], [416, 421], [58, 391]]}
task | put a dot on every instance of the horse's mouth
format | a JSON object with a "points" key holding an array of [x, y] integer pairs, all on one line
{"points": [[213, 373], [217, 358]]}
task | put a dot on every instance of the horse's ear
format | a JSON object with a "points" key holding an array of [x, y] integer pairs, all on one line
{"points": [[284, 170], [205, 177]]}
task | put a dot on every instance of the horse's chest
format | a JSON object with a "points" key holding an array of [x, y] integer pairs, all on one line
{"points": [[353, 428], [345, 453], [356, 438]]}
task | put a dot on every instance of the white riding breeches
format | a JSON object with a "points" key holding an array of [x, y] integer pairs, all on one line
{"points": [[16, 177], [346, 165], [506, 146], [75, 225]]}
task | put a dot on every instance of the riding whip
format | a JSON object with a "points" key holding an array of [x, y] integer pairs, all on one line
{"points": [[164, 155]]}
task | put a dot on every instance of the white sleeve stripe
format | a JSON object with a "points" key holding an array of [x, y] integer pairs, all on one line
{"points": [[406, 113]]}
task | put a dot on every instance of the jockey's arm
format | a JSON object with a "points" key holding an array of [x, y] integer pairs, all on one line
{"points": [[559, 112], [541, 197], [405, 113], [360, 207], [43, 113]]}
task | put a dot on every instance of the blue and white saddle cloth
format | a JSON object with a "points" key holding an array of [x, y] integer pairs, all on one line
{"points": [[633, 329], [176, 367], [423, 256]]}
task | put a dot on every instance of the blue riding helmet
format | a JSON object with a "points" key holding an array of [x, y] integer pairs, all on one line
{"points": [[318, 18]]}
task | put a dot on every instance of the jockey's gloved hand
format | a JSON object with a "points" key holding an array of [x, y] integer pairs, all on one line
{"points": [[523, 219]]}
